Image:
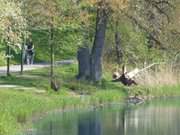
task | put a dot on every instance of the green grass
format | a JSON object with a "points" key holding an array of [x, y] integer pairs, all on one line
{"points": [[33, 95], [17, 105], [156, 91], [65, 75]]}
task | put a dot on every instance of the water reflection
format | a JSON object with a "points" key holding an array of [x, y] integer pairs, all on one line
{"points": [[89, 126], [160, 117], [154, 119]]}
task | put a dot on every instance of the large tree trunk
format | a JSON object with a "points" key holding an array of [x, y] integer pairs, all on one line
{"points": [[83, 62], [96, 54]]}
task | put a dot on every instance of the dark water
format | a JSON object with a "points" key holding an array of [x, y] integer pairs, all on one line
{"points": [[160, 117]]}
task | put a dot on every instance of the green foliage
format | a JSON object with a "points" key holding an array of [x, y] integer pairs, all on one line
{"points": [[2, 58], [155, 91], [74, 21], [12, 24], [134, 45]]}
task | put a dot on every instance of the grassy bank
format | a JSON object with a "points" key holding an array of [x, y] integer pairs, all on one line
{"points": [[32, 95], [17, 106], [155, 91]]}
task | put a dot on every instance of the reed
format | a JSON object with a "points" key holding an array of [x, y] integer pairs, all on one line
{"points": [[160, 75]]}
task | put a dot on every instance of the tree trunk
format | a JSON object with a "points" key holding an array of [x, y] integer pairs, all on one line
{"points": [[8, 60], [84, 63], [52, 57], [96, 54], [118, 47], [22, 58], [23, 53]]}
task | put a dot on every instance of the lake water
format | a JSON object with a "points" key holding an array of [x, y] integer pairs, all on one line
{"points": [[160, 117]]}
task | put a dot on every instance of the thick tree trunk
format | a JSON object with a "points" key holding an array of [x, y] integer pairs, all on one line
{"points": [[96, 54], [84, 63]]}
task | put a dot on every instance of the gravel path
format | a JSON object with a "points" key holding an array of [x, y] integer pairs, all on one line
{"points": [[17, 68]]}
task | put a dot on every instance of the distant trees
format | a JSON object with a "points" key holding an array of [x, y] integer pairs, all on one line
{"points": [[12, 22], [147, 26], [45, 16], [149, 32], [157, 19]]}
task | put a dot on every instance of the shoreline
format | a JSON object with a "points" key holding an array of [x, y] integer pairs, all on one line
{"points": [[23, 106], [17, 106], [36, 105]]}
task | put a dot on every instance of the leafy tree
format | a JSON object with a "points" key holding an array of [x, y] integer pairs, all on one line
{"points": [[158, 18], [12, 25], [54, 19], [149, 31], [44, 15], [104, 8]]}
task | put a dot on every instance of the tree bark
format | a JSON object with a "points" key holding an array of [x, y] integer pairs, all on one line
{"points": [[8, 60], [118, 47], [96, 53], [84, 63], [22, 58], [23, 53], [52, 79]]}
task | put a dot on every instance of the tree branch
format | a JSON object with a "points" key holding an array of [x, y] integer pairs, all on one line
{"points": [[162, 12], [155, 4], [146, 30], [164, 2]]}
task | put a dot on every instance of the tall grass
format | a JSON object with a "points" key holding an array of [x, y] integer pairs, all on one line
{"points": [[160, 75], [160, 80]]}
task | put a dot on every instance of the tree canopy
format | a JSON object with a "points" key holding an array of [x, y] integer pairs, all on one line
{"points": [[12, 22], [148, 30]]}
